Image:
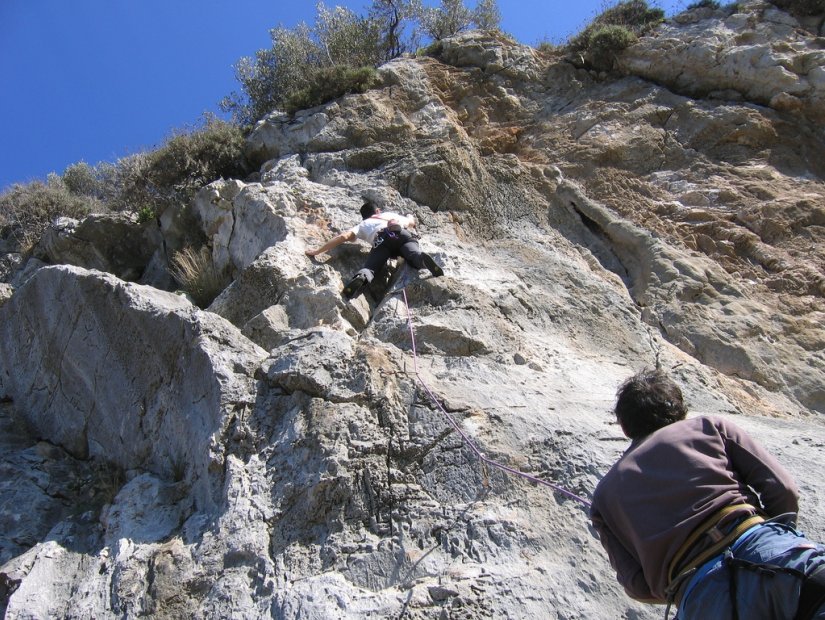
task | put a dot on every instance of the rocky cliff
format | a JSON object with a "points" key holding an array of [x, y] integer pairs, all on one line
{"points": [[284, 453]]}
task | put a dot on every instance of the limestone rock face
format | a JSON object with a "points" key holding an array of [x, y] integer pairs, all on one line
{"points": [[287, 453], [125, 373], [758, 53], [111, 243]]}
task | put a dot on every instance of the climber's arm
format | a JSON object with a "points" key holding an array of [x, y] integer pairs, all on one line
{"points": [[332, 243]]}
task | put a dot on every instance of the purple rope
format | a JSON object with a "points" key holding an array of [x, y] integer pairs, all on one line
{"points": [[484, 458]]}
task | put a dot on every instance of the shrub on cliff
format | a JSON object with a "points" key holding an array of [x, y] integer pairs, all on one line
{"points": [[605, 42], [293, 70], [329, 83], [612, 31], [292, 66], [636, 15], [191, 159], [146, 183], [26, 210]]}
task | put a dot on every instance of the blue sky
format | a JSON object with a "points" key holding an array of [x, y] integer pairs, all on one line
{"points": [[95, 80]]}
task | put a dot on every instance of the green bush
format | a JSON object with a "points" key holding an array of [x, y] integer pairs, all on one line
{"points": [[191, 159], [125, 184], [284, 76], [328, 83], [280, 73], [145, 214], [147, 183], [633, 18], [82, 179], [144, 183], [433, 50], [635, 14], [26, 210], [606, 42]]}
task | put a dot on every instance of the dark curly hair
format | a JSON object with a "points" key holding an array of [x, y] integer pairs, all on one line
{"points": [[647, 402], [368, 209]]}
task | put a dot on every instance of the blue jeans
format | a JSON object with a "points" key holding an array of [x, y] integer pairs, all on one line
{"points": [[760, 595]]}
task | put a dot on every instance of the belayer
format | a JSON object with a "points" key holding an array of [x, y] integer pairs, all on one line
{"points": [[697, 514], [389, 235]]}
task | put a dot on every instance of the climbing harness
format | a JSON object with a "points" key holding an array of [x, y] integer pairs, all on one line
{"points": [[481, 456], [388, 234], [684, 566], [812, 592], [745, 515]]}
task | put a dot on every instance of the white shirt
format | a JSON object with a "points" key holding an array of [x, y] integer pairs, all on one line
{"points": [[370, 227]]}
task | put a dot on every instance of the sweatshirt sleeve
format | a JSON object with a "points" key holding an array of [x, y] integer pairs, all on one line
{"points": [[628, 570], [760, 470]]}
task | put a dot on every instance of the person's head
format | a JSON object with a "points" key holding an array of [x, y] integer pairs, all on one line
{"points": [[368, 210], [647, 402]]}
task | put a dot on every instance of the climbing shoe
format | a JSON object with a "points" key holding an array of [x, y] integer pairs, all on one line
{"points": [[354, 286], [431, 265]]}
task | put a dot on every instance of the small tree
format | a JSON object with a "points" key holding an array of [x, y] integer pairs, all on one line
{"points": [[285, 74], [345, 38], [391, 18], [446, 20], [487, 16], [267, 78], [453, 17], [338, 38]]}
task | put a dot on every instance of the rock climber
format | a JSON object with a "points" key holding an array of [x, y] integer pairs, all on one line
{"points": [[390, 237], [698, 514]]}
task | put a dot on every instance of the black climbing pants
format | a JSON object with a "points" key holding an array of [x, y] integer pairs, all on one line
{"points": [[391, 244]]}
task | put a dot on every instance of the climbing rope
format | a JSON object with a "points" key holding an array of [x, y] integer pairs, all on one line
{"points": [[482, 457]]}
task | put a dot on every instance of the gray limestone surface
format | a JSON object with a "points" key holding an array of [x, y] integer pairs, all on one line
{"points": [[287, 453]]}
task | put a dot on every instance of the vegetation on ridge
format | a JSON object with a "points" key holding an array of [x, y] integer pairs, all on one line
{"points": [[143, 184], [307, 65], [614, 30], [27, 210]]}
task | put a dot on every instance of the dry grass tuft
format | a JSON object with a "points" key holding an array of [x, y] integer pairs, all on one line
{"points": [[196, 273]]}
